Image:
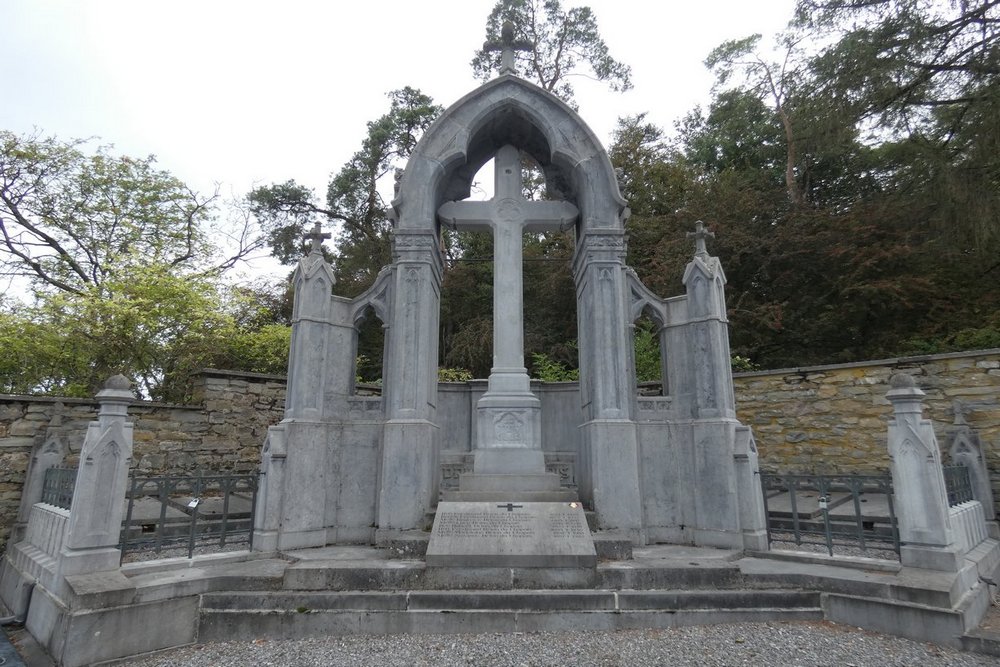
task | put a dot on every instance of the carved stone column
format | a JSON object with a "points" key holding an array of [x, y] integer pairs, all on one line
{"points": [[409, 441], [95, 516], [607, 381], [925, 532]]}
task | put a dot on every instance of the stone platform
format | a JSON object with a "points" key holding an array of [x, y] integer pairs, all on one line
{"points": [[358, 590]]}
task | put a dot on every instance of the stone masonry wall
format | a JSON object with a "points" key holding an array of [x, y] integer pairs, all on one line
{"points": [[821, 419], [833, 419], [223, 431]]}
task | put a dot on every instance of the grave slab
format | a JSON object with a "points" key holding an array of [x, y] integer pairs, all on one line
{"points": [[521, 534]]}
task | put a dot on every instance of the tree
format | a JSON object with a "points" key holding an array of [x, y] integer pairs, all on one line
{"points": [[911, 63], [563, 42], [923, 78], [148, 325], [354, 200], [775, 82], [75, 222]]}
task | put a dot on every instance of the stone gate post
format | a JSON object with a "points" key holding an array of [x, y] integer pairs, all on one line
{"points": [[95, 516], [925, 532]]}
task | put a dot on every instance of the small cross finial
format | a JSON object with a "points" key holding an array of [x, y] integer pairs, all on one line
{"points": [[316, 235], [507, 46], [958, 409], [699, 235]]}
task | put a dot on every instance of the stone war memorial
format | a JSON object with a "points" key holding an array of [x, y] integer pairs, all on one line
{"points": [[503, 504]]}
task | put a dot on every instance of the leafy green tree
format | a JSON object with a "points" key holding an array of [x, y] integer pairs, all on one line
{"points": [[354, 199], [126, 278], [157, 328], [775, 82], [76, 222], [151, 325], [564, 44], [923, 79]]}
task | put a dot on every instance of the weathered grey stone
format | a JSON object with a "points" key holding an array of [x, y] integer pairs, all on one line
{"points": [[925, 530], [97, 510], [491, 534]]}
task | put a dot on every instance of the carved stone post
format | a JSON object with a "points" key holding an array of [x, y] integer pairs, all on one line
{"points": [[95, 516], [607, 382], [409, 440], [966, 449], [52, 452], [925, 533]]}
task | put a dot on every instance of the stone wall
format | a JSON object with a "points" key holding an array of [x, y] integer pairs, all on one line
{"points": [[832, 419], [817, 419], [222, 431]]}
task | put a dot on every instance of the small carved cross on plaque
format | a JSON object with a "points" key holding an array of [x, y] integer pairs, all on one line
{"points": [[317, 235], [507, 46], [699, 234], [510, 507]]}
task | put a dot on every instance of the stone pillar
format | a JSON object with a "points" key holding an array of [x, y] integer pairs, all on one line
{"points": [[508, 416], [921, 500], [95, 516], [52, 452], [313, 282], [753, 518], [708, 337], [300, 460], [410, 436], [967, 450], [722, 464], [607, 381]]}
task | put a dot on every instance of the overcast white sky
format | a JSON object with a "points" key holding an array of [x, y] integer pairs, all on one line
{"points": [[245, 93]]}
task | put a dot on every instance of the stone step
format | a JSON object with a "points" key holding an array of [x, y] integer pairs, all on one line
{"points": [[235, 616], [394, 575], [534, 600]]}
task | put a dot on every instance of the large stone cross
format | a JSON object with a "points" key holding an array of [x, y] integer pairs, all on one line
{"points": [[507, 46], [508, 215]]}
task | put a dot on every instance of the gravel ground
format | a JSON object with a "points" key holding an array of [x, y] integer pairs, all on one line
{"points": [[812, 644]]}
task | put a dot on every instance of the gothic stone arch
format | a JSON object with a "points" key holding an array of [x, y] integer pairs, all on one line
{"points": [[510, 111]]}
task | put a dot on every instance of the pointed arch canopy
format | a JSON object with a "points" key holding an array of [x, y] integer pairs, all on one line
{"points": [[509, 110]]}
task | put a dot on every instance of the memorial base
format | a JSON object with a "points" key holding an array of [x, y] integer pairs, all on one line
{"points": [[525, 534], [538, 488]]}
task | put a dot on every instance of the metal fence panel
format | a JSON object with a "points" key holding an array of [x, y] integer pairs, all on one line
{"points": [[831, 511], [189, 512], [958, 484], [58, 485]]}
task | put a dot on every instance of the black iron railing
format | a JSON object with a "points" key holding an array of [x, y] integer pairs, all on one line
{"points": [[189, 512], [838, 512], [58, 485], [958, 484]]}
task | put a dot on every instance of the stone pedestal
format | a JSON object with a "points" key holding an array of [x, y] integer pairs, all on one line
{"points": [[925, 532], [95, 516]]}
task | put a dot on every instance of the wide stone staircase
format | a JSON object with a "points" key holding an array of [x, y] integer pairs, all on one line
{"points": [[362, 590], [245, 615]]}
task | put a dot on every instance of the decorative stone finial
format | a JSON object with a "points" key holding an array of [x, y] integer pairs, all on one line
{"points": [[397, 181], [317, 235], [118, 383], [958, 410], [507, 46], [699, 235], [902, 381]]}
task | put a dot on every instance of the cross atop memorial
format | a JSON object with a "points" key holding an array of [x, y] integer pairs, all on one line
{"points": [[508, 215], [507, 46], [699, 235], [317, 235]]}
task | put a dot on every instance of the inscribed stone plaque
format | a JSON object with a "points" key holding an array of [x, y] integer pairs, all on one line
{"points": [[497, 534]]}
